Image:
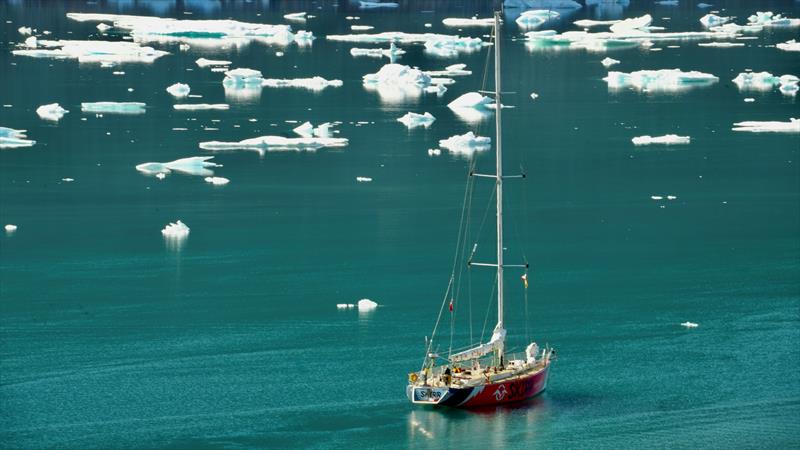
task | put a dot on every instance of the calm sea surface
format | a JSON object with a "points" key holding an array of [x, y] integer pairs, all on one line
{"points": [[111, 338]]}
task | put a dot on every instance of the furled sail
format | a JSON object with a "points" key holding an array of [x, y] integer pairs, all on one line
{"points": [[495, 343]]}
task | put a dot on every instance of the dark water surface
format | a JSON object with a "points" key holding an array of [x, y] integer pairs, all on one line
{"points": [[110, 338]]}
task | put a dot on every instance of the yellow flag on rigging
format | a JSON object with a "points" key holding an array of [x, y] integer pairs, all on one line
{"points": [[525, 279]]}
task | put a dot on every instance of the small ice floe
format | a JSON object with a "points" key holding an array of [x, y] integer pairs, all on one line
{"points": [[749, 100], [31, 42], [438, 89], [306, 129], [296, 17], [534, 95], [412, 120], [466, 143], [587, 23], [436, 44], [361, 27], [374, 5], [179, 90], [536, 18], [789, 46], [201, 106], [393, 52], [10, 228], [102, 27], [659, 80], [194, 165], [176, 230], [608, 62], [345, 306], [434, 152], [11, 138], [770, 19], [275, 143], [765, 81], [657, 197], [712, 20], [184, 48], [671, 197], [312, 84], [366, 304], [689, 325], [721, 44], [278, 54], [161, 175], [704, 5], [93, 51], [113, 107], [453, 70], [203, 62], [217, 181], [25, 30], [471, 22], [667, 2], [668, 139], [471, 100], [242, 77], [754, 126], [364, 179], [52, 111]]}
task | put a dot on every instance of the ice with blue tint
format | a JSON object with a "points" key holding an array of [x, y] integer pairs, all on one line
{"points": [[412, 120], [711, 20], [194, 165], [179, 90], [375, 5], [548, 4], [113, 107], [765, 81], [93, 51], [659, 80], [466, 143], [271, 143], [11, 138], [770, 19], [536, 18], [755, 126], [242, 78]]}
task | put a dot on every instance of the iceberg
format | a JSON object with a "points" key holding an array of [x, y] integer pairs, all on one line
{"points": [[587, 23], [548, 4], [395, 82], [93, 51], [313, 84], [536, 18], [361, 27], [194, 165], [704, 5], [366, 304], [659, 80], [770, 19], [11, 138], [176, 230], [669, 139], [242, 78], [447, 48], [308, 130], [52, 111], [789, 46], [113, 107], [753, 126], [466, 143], [471, 22], [763, 81], [179, 90], [608, 62], [471, 100], [733, 29], [373, 5], [454, 70], [201, 106], [25, 30], [217, 181], [689, 325], [10, 228], [298, 16], [711, 20], [439, 44], [270, 143], [31, 42], [202, 62], [412, 120]]}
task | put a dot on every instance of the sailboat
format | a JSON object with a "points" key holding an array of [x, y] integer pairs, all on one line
{"points": [[484, 375]]}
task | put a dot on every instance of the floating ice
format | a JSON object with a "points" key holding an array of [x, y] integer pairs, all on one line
{"points": [[789, 46], [434, 152], [366, 304], [392, 52], [102, 27], [25, 30], [659, 80], [471, 22], [466, 143], [202, 62], [712, 20], [298, 16], [345, 305], [548, 4], [534, 95], [749, 100], [93, 51], [395, 82], [720, 44], [536, 18], [314, 84], [608, 62], [764, 81], [242, 77], [594, 23], [10, 228], [161, 175], [733, 29], [31, 42], [270, 143], [194, 165], [454, 70], [176, 230], [438, 89], [68, 180], [361, 27], [438, 44], [412, 120], [113, 107], [633, 23], [201, 106], [217, 181], [667, 2], [704, 5], [373, 5], [364, 179], [52, 111], [669, 139], [11, 138], [308, 130], [753, 126], [689, 325], [656, 197], [179, 90], [770, 19], [470, 100]]}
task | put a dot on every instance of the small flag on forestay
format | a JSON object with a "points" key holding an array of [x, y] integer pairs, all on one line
{"points": [[451, 305], [525, 279]]}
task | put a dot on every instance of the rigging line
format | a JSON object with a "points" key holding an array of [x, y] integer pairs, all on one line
{"points": [[525, 299], [486, 65], [489, 307], [462, 245]]}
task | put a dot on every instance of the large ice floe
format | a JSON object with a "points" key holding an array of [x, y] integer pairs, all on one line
{"points": [[194, 165], [789, 46], [412, 120], [765, 81], [11, 138], [659, 80], [275, 143], [109, 52], [52, 111], [753, 126], [470, 22], [201, 106], [209, 33], [113, 107], [536, 18], [466, 144], [668, 139], [436, 44], [179, 90]]}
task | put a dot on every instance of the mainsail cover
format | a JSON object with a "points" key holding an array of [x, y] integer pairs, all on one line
{"points": [[495, 343]]}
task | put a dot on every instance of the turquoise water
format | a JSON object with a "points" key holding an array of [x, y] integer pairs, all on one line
{"points": [[109, 337]]}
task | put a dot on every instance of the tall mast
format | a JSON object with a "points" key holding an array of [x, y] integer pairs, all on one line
{"points": [[499, 147]]}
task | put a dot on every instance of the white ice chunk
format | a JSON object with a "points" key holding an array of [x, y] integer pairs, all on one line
{"points": [[307, 130], [704, 5], [659, 80], [217, 181], [94, 51], [345, 305], [712, 20], [10, 228], [176, 230], [471, 22], [297, 17], [789, 46], [667, 2], [52, 111], [669, 139], [608, 62], [364, 179], [31, 42], [634, 23], [313, 84], [373, 5], [536, 18], [201, 106], [657, 197], [361, 27], [547, 4], [764, 81], [242, 78], [754, 126], [534, 96], [749, 100], [471, 100], [412, 120], [437, 44], [271, 143], [203, 62], [179, 90], [721, 44], [453, 70], [434, 152], [392, 52], [11, 138], [689, 325], [366, 304], [770, 19], [102, 27], [396, 82], [587, 23], [113, 107], [466, 143], [25, 30], [194, 165]]}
